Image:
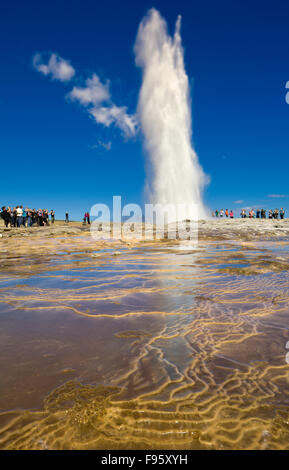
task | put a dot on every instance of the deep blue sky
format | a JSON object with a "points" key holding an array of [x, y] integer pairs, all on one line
{"points": [[236, 55]]}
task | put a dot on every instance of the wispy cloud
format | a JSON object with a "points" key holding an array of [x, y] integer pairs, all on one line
{"points": [[58, 68], [278, 196], [115, 115], [255, 206], [94, 92], [95, 96], [105, 145], [239, 201]]}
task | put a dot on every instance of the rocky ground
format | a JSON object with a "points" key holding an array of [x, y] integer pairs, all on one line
{"points": [[214, 229], [244, 229]]}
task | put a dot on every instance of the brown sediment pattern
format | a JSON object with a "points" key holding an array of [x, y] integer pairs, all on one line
{"points": [[110, 345]]}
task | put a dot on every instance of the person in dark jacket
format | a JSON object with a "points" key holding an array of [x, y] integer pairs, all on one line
{"points": [[5, 214]]}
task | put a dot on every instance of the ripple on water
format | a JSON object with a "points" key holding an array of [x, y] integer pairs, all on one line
{"points": [[153, 348]]}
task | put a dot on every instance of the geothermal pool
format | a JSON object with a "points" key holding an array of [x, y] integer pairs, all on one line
{"points": [[111, 345]]}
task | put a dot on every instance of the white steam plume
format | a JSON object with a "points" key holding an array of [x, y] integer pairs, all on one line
{"points": [[164, 112]]}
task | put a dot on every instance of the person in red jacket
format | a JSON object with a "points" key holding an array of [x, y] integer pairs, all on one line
{"points": [[86, 218]]}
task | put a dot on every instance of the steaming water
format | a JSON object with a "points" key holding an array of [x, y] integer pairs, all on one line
{"points": [[175, 176]]}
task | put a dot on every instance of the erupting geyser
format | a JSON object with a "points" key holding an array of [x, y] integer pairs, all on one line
{"points": [[175, 176]]}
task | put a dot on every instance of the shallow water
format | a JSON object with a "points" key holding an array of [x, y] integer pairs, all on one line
{"points": [[148, 346]]}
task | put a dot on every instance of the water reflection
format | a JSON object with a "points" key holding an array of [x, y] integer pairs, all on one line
{"points": [[148, 345]]}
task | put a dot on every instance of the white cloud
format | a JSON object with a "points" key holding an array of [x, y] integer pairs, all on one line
{"points": [[94, 96], [106, 145], [58, 68], [239, 201], [94, 92], [256, 206], [278, 196], [115, 115]]}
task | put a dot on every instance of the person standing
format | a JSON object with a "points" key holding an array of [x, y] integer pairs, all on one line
{"points": [[34, 217], [24, 217], [231, 214], [14, 217], [282, 213], [28, 217], [5, 216], [66, 217], [258, 214], [19, 218], [52, 215], [40, 217], [45, 217], [226, 213], [10, 215]]}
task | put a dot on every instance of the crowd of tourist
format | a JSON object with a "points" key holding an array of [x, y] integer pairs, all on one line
{"points": [[20, 217], [223, 213], [258, 214], [25, 217]]}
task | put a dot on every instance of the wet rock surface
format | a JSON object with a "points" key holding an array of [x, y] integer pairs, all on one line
{"points": [[117, 344], [215, 229]]}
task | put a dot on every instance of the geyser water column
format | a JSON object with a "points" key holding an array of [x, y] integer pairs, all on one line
{"points": [[164, 110]]}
